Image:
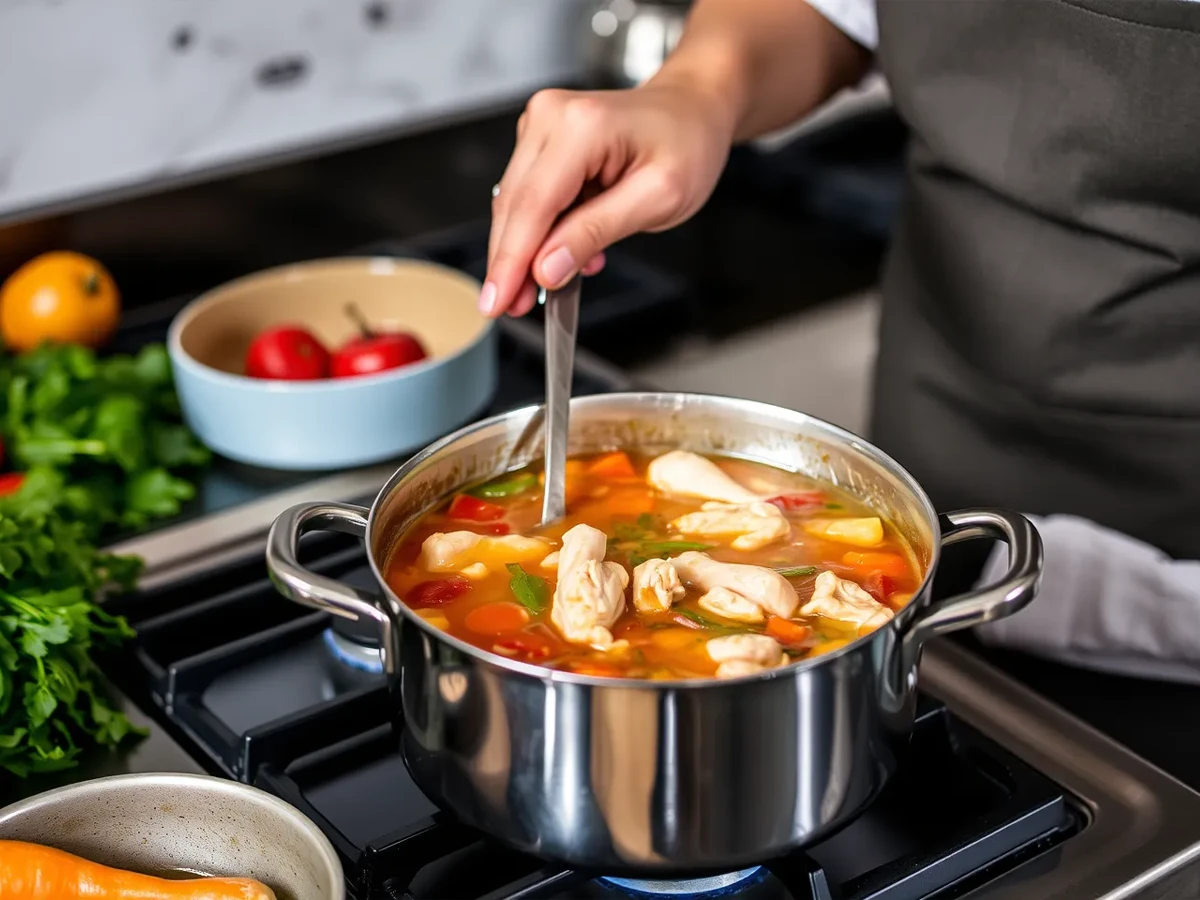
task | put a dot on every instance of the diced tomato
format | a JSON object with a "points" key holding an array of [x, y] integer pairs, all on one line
{"points": [[499, 528], [879, 586], [10, 483], [529, 646], [787, 632], [803, 501], [890, 564], [614, 465], [437, 593], [472, 509]]}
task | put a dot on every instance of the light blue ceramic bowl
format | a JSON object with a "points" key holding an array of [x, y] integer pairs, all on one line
{"points": [[334, 423]]}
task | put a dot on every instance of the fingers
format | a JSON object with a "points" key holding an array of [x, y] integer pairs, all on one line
{"points": [[641, 200], [529, 147], [595, 265], [526, 299], [528, 215]]}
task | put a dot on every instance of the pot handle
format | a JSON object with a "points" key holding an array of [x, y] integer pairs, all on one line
{"points": [[318, 591], [1010, 594]]}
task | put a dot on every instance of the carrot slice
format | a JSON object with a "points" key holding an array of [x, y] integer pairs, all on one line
{"points": [[613, 465], [788, 632], [629, 503], [34, 872], [497, 618], [891, 564]]}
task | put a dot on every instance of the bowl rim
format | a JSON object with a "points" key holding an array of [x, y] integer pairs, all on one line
{"points": [[193, 782], [319, 385], [896, 626]]}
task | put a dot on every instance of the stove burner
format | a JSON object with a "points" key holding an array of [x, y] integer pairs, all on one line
{"points": [[353, 654], [690, 887]]}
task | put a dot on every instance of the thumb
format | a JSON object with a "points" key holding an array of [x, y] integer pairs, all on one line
{"points": [[636, 203]]}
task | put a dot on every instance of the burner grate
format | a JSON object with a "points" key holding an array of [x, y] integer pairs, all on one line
{"points": [[962, 806]]}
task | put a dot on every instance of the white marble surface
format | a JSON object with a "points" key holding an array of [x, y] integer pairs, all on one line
{"points": [[100, 95]]}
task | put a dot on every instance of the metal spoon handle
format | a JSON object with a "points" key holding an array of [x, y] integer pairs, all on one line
{"points": [[562, 322]]}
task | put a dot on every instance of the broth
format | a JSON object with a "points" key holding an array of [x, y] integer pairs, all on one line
{"points": [[465, 568]]}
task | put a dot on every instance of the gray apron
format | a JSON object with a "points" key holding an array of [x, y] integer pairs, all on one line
{"points": [[1040, 340]]}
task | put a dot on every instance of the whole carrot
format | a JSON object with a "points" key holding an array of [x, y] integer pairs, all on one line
{"points": [[34, 872]]}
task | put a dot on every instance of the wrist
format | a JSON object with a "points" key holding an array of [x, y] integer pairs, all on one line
{"points": [[716, 74]]}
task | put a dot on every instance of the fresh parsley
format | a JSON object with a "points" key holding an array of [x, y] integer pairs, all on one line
{"points": [[104, 451]]}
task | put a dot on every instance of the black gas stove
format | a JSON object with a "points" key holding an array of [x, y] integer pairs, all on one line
{"points": [[268, 692], [1001, 795]]}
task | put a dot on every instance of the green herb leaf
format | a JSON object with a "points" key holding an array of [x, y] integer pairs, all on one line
{"points": [[706, 623], [530, 590], [797, 571], [662, 548], [104, 449], [834, 506], [507, 487]]}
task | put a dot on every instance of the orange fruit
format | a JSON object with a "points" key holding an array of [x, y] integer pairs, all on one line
{"points": [[62, 297]]}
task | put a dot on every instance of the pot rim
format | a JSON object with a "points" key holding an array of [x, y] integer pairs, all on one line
{"points": [[815, 427]]}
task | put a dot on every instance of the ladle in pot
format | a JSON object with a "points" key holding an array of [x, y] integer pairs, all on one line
{"points": [[562, 323]]}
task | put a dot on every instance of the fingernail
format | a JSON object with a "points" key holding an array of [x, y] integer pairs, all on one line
{"points": [[558, 267], [487, 298]]}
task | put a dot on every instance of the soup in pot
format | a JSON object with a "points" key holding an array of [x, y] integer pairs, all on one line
{"points": [[675, 566]]}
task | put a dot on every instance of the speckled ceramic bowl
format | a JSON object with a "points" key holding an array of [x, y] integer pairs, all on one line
{"points": [[339, 422], [158, 823]]}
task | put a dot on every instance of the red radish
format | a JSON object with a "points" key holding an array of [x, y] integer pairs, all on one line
{"points": [[287, 354], [373, 352]]}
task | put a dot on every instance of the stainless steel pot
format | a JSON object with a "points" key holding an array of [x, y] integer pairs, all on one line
{"points": [[651, 776], [158, 823]]}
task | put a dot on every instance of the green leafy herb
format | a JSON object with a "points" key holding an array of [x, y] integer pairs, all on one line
{"points": [[507, 487], [833, 506], [797, 571], [50, 573], [706, 623], [530, 590], [104, 450], [111, 428], [649, 522], [661, 549]]}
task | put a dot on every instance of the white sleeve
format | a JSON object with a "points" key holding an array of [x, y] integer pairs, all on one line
{"points": [[1107, 602], [855, 18]]}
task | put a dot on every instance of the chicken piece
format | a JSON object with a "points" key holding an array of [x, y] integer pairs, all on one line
{"points": [[744, 654], [723, 602], [590, 595], [656, 586], [837, 598], [458, 551], [762, 586], [685, 474], [752, 525], [551, 561]]}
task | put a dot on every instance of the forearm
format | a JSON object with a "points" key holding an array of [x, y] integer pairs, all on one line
{"points": [[765, 63]]}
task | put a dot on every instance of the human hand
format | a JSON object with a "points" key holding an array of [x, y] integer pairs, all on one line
{"points": [[644, 159]]}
